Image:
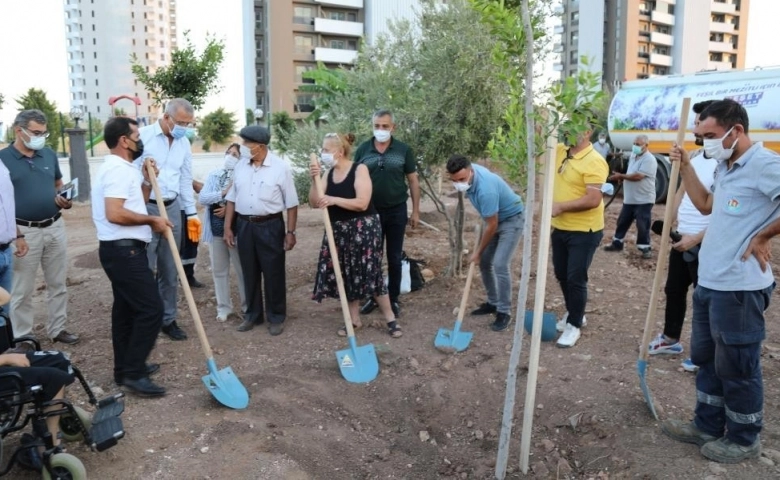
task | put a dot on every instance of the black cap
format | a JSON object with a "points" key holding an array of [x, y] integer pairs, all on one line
{"points": [[256, 133]]}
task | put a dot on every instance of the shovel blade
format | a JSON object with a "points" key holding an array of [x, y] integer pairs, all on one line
{"points": [[225, 386], [452, 340], [358, 364], [641, 369]]}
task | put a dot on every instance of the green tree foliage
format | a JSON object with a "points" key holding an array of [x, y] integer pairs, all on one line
{"points": [[190, 76], [218, 126], [2, 99], [37, 99], [282, 126], [328, 85], [249, 116]]}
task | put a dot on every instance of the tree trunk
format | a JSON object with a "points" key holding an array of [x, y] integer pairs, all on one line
{"points": [[455, 222]]}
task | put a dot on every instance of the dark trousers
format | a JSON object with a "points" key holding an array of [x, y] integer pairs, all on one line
{"points": [[261, 250], [680, 276], [728, 328], [188, 250], [572, 256], [640, 213], [394, 220], [137, 314]]}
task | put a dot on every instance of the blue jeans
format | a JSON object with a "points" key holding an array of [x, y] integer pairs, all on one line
{"points": [[572, 256], [495, 263], [728, 328], [6, 274], [394, 220]]}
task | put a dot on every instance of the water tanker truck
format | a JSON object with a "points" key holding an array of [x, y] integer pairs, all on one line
{"points": [[652, 107]]}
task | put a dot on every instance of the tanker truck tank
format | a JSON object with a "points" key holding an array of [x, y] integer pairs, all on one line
{"points": [[652, 107]]}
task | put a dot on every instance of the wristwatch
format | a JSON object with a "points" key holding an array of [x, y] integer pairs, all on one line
{"points": [[291, 232]]}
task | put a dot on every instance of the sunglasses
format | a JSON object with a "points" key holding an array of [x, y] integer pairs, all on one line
{"points": [[565, 161]]}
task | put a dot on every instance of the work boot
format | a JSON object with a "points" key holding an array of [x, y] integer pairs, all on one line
{"points": [[194, 283], [501, 323], [724, 450], [485, 308], [686, 432], [174, 332], [615, 246], [646, 253]]}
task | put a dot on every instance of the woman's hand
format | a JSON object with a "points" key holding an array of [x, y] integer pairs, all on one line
{"points": [[327, 201]]}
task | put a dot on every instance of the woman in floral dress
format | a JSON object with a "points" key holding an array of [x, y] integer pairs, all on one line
{"points": [[356, 230]]}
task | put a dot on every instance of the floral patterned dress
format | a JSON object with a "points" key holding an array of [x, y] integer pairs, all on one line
{"points": [[358, 238]]}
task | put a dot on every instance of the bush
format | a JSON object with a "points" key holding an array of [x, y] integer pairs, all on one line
{"points": [[218, 126], [302, 185]]}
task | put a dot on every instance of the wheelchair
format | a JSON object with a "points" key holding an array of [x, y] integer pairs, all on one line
{"points": [[22, 405]]}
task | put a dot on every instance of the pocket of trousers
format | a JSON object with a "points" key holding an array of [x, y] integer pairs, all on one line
{"points": [[738, 353]]}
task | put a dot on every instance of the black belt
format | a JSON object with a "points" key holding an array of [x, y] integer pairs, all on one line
{"points": [[127, 242], [260, 218], [167, 203], [4, 246], [39, 223]]}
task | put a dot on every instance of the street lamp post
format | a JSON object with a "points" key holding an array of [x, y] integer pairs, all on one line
{"points": [[79, 164], [258, 115], [76, 113]]}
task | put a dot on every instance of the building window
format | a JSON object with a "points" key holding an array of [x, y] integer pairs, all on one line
{"points": [[162, 43], [95, 68], [132, 28], [132, 14], [98, 109], [344, 44], [94, 55], [94, 41], [93, 14], [97, 95], [96, 82], [162, 57], [300, 70], [259, 21], [338, 16], [303, 44], [93, 28], [575, 16], [134, 42], [303, 15], [304, 103]]}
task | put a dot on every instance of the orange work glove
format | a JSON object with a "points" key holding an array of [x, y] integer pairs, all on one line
{"points": [[194, 228]]}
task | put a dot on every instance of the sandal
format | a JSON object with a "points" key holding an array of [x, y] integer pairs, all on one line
{"points": [[342, 332], [394, 330]]}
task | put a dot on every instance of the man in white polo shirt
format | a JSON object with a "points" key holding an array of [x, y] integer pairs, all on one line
{"points": [[124, 229], [262, 189]]}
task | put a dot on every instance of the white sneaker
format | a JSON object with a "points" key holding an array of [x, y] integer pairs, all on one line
{"points": [[222, 318], [569, 336], [561, 325]]}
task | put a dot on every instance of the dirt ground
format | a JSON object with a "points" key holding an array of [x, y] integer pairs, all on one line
{"points": [[305, 421]]}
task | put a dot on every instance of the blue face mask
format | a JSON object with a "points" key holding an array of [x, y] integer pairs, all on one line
{"points": [[178, 131], [637, 150], [190, 134]]}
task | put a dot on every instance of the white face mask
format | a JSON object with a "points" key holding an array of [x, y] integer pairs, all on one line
{"points": [[382, 135], [244, 152], [327, 159], [230, 162], [713, 147], [602, 141], [461, 186], [34, 143]]}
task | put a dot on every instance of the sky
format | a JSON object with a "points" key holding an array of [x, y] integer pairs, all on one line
{"points": [[32, 35]]}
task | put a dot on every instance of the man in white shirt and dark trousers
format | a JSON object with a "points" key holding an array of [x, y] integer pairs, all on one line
{"points": [[638, 197], [124, 229], [262, 189], [165, 141]]}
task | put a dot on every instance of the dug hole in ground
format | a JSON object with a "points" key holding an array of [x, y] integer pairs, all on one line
{"points": [[427, 415]]}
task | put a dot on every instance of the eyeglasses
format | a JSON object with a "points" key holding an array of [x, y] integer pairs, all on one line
{"points": [[182, 124], [565, 161], [36, 133], [381, 162]]}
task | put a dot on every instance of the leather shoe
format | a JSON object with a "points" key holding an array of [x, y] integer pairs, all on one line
{"points": [[21, 347], [66, 337], [194, 283], [151, 369], [143, 387], [276, 329], [246, 326], [174, 332]]}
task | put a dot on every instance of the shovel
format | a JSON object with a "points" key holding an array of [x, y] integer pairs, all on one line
{"points": [[357, 364], [223, 384], [663, 257], [454, 340]]}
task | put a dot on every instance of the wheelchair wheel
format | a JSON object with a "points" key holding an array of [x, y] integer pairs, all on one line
{"points": [[65, 467], [70, 424]]}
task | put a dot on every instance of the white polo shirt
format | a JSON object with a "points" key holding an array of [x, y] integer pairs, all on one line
{"points": [[263, 190], [118, 178]]}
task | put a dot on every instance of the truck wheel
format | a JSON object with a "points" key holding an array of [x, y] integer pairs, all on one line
{"points": [[661, 182]]}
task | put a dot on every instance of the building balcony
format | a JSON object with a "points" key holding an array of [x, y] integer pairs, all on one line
{"points": [[719, 65], [559, 29], [338, 27], [660, 59], [72, 62], [723, 47], [335, 55], [558, 48], [558, 67], [75, 48], [662, 18], [643, 57], [558, 10], [723, 7], [661, 39], [78, 74], [74, 33], [72, 6], [341, 3], [721, 27]]}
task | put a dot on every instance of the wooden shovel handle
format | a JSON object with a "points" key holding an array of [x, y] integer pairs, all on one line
{"points": [[204, 342], [663, 256], [333, 253]]}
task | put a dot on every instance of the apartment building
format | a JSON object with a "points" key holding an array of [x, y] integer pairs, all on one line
{"points": [[291, 37], [632, 39], [101, 36]]}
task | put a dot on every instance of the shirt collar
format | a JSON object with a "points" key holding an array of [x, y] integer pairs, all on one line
{"points": [[582, 153], [19, 155], [389, 146], [157, 128], [748, 154]]}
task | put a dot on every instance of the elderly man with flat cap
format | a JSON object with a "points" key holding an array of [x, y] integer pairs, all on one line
{"points": [[262, 189]]}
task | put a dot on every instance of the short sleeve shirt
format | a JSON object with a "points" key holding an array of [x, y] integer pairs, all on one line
{"points": [[746, 199], [263, 190], [33, 180], [118, 178], [643, 191], [586, 167], [491, 195], [388, 171]]}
